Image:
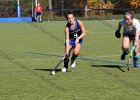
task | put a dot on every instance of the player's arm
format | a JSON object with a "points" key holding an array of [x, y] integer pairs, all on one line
{"points": [[67, 39], [137, 37], [137, 33], [117, 32], [136, 41], [41, 10], [82, 30], [119, 26]]}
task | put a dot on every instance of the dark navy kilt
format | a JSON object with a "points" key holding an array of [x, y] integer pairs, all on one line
{"points": [[131, 36]]}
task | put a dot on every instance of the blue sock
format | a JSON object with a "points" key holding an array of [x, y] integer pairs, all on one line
{"points": [[136, 58]]}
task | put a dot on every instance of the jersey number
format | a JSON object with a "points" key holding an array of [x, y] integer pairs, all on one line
{"points": [[75, 35]]}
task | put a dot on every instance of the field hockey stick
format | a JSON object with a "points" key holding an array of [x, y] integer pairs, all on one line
{"points": [[130, 56], [56, 66]]}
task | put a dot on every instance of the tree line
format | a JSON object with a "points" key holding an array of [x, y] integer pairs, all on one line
{"points": [[8, 8]]}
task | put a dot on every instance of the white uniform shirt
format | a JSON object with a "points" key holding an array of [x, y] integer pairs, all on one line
{"points": [[131, 29]]}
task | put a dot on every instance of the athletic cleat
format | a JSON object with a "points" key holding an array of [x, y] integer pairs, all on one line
{"points": [[123, 55], [64, 69], [137, 65], [73, 64]]}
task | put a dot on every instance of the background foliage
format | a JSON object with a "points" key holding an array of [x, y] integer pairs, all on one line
{"points": [[8, 8]]}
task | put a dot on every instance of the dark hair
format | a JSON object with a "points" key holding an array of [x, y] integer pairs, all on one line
{"points": [[130, 13], [69, 12]]}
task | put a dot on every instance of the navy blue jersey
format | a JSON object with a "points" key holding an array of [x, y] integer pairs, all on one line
{"points": [[74, 33]]}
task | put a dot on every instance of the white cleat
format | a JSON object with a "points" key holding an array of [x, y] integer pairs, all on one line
{"points": [[73, 64], [64, 69]]}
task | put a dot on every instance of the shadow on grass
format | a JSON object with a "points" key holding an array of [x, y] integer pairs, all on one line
{"points": [[48, 70], [110, 66], [114, 64]]}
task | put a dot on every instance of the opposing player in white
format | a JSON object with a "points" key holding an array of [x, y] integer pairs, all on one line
{"points": [[131, 32]]}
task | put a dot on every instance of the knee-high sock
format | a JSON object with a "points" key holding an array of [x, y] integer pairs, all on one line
{"points": [[74, 57], [136, 58], [126, 51], [66, 61]]}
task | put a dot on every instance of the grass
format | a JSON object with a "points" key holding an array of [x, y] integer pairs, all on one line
{"points": [[29, 50]]}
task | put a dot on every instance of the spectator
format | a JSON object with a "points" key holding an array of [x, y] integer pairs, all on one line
{"points": [[38, 13]]}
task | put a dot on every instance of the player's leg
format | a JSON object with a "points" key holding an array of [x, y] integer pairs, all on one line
{"points": [[125, 47], [66, 60], [40, 18], [136, 55], [37, 17], [76, 51]]}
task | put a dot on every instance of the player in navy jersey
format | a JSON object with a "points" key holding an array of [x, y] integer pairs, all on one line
{"points": [[74, 33]]}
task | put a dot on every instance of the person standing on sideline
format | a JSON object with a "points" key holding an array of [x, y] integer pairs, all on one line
{"points": [[131, 32], [74, 33], [38, 13]]}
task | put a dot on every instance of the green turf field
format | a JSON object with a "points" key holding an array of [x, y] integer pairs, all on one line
{"points": [[29, 50]]}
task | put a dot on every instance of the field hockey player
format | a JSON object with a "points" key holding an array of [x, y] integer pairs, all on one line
{"points": [[74, 33]]}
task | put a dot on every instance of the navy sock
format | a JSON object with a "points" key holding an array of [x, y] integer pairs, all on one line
{"points": [[66, 61]]}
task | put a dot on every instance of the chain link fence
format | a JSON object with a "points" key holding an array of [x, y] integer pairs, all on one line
{"points": [[89, 14], [8, 9]]}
